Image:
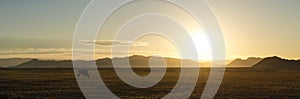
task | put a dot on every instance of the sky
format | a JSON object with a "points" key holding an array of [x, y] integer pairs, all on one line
{"points": [[45, 28]]}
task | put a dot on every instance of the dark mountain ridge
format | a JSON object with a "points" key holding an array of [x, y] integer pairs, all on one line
{"points": [[13, 61], [245, 63], [143, 61], [277, 63], [135, 61]]}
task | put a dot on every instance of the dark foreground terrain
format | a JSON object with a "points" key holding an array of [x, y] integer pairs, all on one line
{"points": [[237, 83]]}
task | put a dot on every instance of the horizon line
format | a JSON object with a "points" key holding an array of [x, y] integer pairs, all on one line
{"points": [[155, 56]]}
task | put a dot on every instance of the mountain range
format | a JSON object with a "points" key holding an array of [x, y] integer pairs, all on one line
{"points": [[13, 61], [245, 63], [277, 63], [135, 61], [143, 61]]}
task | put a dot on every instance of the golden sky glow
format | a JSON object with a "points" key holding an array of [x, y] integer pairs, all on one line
{"points": [[44, 29]]}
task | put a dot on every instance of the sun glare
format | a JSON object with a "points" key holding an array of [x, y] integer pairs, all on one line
{"points": [[202, 45]]}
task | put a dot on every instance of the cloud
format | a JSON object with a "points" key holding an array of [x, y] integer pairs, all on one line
{"points": [[116, 43], [66, 53], [36, 51], [62, 51], [40, 53]]}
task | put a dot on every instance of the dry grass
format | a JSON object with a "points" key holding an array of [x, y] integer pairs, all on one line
{"points": [[237, 83]]}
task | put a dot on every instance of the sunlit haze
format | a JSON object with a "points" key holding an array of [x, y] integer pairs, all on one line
{"points": [[255, 28]]}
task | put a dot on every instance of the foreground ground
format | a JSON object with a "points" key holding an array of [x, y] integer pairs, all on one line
{"points": [[237, 83]]}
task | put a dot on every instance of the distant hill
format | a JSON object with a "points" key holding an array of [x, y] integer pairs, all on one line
{"points": [[277, 63], [35, 63], [143, 61], [135, 61], [13, 61], [138, 60], [245, 63]]}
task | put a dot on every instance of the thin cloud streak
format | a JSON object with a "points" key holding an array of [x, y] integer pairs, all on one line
{"points": [[116, 43]]}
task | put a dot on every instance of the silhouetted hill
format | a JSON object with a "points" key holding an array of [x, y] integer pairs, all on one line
{"points": [[135, 61], [142, 61], [245, 63], [277, 63], [13, 61], [35, 63]]}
